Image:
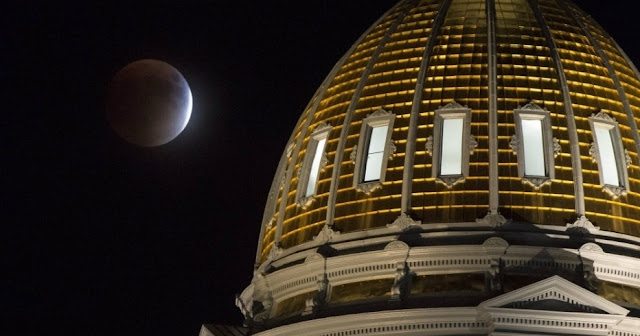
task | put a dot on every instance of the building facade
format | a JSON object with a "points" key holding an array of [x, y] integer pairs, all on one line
{"points": [[468, 167]]}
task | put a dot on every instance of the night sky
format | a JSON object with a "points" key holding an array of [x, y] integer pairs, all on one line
{"points": [[101, 237]]}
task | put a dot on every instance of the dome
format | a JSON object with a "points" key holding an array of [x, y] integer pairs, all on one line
{"points": [[480, 146]]}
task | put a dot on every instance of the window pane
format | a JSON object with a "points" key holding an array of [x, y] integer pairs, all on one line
{"points": [[375, 152], [606, 153], [451, 151], [534, 157], [378, 138], [374, 167], [315, 168]]}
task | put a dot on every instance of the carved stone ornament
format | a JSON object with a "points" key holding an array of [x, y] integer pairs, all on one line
{"points": [[325, 235], [275, 251], [379, 113], [472, 143], [305, 202], [429, 145], [396, 245], [582, 225], [615, 191], [369, 187], [321, 127], [557, 149], [627, 158], [602, 116], [404, 222], [290, 148], [532, 107], [513, 144], [321, 296], [324, 161], [450, 181], [536, 182], [313, 257], [453, 105], [354, 154], [591, 247], [391, 149], [299, 172], [270, 224], [593, 152], [492, 219], [495, 242]]}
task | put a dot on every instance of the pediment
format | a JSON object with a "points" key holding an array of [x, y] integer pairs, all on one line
{"points": [[555, 294]]}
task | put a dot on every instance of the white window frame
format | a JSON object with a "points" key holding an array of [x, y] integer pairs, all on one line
{"points": [[550, 147], [321, 132], [452, 111], [376, 119], [622, 158]]}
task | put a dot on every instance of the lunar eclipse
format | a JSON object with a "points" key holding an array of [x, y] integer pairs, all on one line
{"points": [[149, 103]]}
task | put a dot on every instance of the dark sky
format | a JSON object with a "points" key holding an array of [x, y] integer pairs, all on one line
{"points": [[105, 238]]}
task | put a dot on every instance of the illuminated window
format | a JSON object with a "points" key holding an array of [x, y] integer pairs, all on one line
{"points": [[534, 145], [608, 152], [314, 161], [373, 150], [451, 144]]}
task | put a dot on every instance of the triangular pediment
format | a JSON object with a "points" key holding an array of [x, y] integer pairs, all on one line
{"points": [[555, 294]]}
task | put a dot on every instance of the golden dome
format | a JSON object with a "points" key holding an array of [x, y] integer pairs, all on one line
{"points": [[422, 61]]}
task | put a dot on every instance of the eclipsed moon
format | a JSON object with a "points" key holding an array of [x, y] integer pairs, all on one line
{"points": [[149, 103]]}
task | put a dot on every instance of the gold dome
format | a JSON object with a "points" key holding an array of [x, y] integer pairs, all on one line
{"points": [[422, 58]]}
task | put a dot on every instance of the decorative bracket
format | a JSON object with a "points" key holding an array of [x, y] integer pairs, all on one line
{"points": [[536, 182], [494, 220], [391, 148], [472, 143], [582, 225], [429, 145], [325, 235], [450, 181], [354, 154], [557, 149], [369, 187], [514, 143], [404, 222]]}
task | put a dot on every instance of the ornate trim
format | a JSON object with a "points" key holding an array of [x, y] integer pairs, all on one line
{"points": [[615, 191], [495, 242], [453, 105], [404, 222], [369, 187], [492, 219], [325, 160], [275, 251], [531, 106], [321, 128], [380, 112], [450, 181], [472, 143], [582, 225], [354, 154], [627, 158], [391, 148], [536, 182], [557, 149], [396, 244], [593, 152], [591, 247], [428, 146], [514, 143], [325, 235], [283, 178], [603, 116], [305, 202]]}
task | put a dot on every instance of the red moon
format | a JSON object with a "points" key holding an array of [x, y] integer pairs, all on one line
{"points": [[149, 103]]}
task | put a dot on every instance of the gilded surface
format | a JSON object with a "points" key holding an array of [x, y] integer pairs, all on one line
{"points": [[457, 70]]}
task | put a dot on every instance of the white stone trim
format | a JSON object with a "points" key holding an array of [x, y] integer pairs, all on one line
{"points": [[378, 118]]}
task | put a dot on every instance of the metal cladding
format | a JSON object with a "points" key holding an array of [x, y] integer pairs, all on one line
{"points": [[423, 55]]}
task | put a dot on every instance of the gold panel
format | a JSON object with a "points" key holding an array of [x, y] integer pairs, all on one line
{"points": [[617, 292], [361, 290], [448, 282]]}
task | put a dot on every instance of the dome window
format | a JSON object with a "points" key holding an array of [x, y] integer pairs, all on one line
{"points": [[534, 145], [314, 162], [607, 150], [377, 147], [452, 144]]}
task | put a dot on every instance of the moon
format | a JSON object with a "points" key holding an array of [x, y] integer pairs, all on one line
{"points": [[149, 103]]}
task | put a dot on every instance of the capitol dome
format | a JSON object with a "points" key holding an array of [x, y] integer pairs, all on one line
{"points": [[467, 167]]}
